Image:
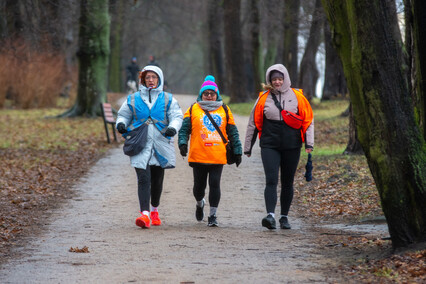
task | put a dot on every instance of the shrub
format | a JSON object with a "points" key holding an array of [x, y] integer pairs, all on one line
{"points": [[30, 78]]}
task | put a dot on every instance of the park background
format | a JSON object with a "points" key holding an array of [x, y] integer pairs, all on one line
{"points": [[235, 42]]}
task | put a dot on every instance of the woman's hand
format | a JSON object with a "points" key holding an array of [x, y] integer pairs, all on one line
{"points": [[308, 150]]}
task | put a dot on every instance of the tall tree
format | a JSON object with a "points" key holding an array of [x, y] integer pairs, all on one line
{"points": [[334, 78], [254, 27], [353, 146], [215, 38], [418, 8], [114, 74], [369, 43], [291, 33], [93, 58], [233, 52], [308, 76]]}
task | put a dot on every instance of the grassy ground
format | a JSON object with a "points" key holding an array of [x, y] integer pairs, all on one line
{"points": [[42, 157]]}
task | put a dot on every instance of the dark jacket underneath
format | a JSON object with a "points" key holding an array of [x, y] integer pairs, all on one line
{"points": [[277, 135]]}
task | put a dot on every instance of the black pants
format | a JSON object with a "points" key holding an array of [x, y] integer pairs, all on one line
{"points": [[150, 186], [214, 173], [273, 160]]}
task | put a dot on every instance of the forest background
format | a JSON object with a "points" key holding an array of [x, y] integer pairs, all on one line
{"points": [[233, 40]]}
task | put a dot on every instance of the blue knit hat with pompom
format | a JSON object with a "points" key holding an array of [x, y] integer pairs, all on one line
{"points": [[209, 84]]}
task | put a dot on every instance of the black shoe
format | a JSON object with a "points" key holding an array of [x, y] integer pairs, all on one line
{"points": [[212, 221], [284, 223], [199, 212], [269, 222]]}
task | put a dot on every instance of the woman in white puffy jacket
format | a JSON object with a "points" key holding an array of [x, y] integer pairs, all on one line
{"points": [[163, 116]]}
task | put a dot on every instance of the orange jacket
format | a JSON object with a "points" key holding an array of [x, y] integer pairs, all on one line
{"points": [[206, 146], [304, 109]]}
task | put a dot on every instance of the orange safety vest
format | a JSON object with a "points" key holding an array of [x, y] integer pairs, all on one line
{"points": [[206, 146], [304, 109]]}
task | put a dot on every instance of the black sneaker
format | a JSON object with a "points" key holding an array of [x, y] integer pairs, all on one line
{"points": [[212, 221], [269, 222], [284, 223], [199, 212]]}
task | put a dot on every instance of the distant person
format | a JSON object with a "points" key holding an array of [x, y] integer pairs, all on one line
{"points": [[280, 142], [162, 114], [132, 72], [152, 61], [207, 152]]}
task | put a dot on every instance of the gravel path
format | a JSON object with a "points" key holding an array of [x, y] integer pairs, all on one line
{"points": [[182, 250]]}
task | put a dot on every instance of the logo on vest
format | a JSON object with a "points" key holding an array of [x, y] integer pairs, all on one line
{"points": [[209, 125]]}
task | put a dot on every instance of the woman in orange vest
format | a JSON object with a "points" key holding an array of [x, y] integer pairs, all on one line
{"points": [[280, 139], [207, 151]]}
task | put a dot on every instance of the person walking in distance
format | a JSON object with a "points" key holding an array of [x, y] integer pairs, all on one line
{"points": [[132, 72], [207, 151], [280, 138], [163, 118]]}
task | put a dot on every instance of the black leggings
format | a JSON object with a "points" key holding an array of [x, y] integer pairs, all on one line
{"points": [[272, 160], [214, 173], [150, 186]]}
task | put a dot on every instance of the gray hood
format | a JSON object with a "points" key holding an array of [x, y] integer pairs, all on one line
{"points": [[279, 67]]}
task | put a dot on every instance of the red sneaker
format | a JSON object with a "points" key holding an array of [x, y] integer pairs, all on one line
{"points": [[143, 221], [155, 219]]}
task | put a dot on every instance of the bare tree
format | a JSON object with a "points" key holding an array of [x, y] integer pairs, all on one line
{"points": [[234, 52], [308, 68], [93, 56], [117, 17], [215, 40], [334, 78], [291, 33]]}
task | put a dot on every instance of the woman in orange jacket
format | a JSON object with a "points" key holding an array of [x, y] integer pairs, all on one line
{"points": [[207, 151], [280, 142]]}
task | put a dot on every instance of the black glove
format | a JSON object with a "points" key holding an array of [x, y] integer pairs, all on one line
{"points": [[237, 160], [183, 150], [121, 128], [170, 132]]}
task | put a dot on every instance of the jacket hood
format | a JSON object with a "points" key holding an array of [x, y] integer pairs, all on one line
{"points": [[157, 71], [279, 67]]}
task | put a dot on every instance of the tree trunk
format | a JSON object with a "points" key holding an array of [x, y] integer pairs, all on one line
{"points": [[215, 38], [234, 52], [291, 32], [369, 43], [93, 58], [354, 146], [255, 45], [308, 67], [115, 78], [419, 27], [334, 78]]}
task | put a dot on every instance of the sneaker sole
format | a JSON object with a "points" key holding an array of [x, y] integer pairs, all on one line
{"points": [[268, 225], [201, 215], [212, 225], [156, 224], [141, 224]]}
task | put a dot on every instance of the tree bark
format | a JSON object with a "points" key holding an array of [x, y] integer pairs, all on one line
{"points": [[215, 48], [354, 146], [369, 43], [308, 76], [93, 58], [115, 81], [291, 32], [334, 78], [419, 27], [234, 52], [255, 45]]}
